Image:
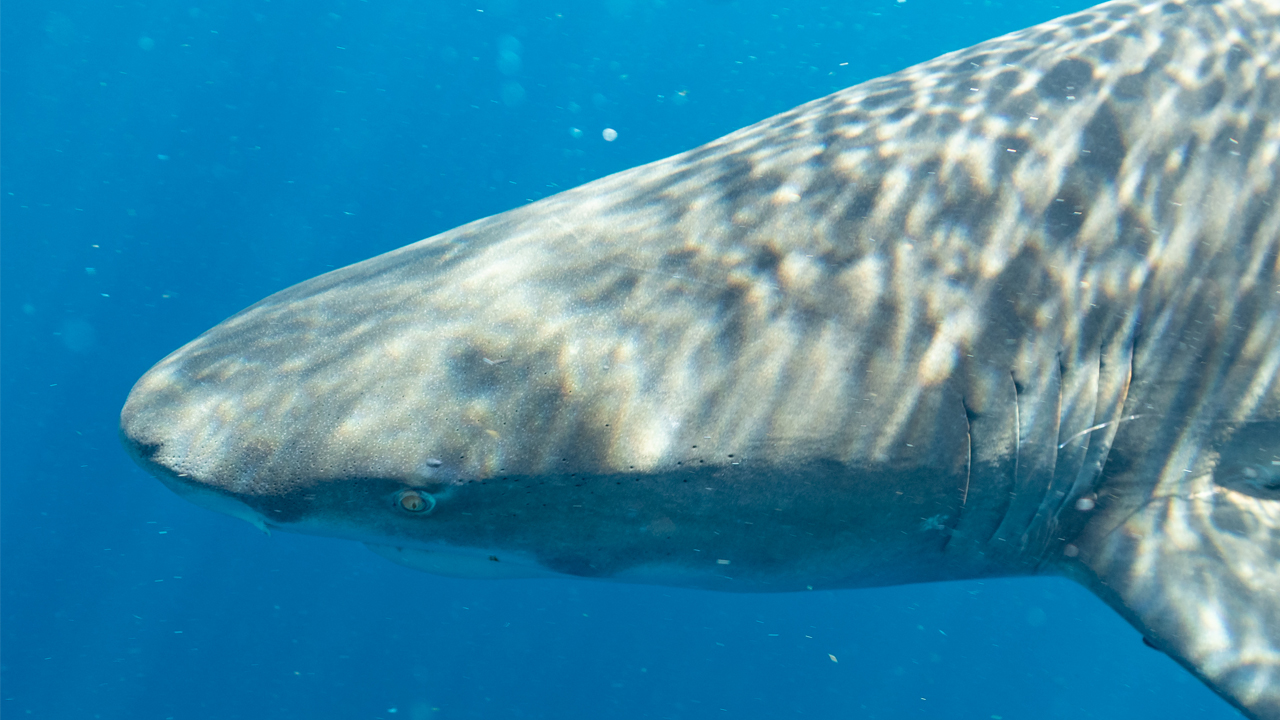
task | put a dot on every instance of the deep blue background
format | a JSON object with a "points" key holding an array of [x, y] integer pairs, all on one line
{"points": [[167, 163]]}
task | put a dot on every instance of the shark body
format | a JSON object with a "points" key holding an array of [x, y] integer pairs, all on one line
{"points": [[1012, 311]]}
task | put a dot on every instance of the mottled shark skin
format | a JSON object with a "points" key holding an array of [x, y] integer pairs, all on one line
{"points": [[1012, 311]]}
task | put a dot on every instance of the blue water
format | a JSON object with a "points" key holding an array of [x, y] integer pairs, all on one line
{"points": [[167, 163]]}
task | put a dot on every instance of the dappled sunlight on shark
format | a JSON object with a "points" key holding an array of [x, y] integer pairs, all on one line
{"points": [[1012, 311]]}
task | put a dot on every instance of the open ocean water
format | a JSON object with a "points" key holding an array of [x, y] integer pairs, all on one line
{"points": [[166, 164]]}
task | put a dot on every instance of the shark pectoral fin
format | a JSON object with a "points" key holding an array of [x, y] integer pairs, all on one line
{"points": [[458, 565], [1199, 576]]}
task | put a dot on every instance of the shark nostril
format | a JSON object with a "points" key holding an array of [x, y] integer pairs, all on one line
{"points": [[146, 451], [416, 502]]}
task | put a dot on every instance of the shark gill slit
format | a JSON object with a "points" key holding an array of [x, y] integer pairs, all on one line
{"points": [[1010, 497], [954, 526]]}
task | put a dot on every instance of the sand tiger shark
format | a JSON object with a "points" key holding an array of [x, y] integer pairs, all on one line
{"points": [[1012, 311]]}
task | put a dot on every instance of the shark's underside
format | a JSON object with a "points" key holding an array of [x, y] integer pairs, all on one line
{"points": [[1012, 311]]}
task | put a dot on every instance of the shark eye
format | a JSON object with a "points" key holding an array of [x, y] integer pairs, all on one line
{"points": [[416, 502]]}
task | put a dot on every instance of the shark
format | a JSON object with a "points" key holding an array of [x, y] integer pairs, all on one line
{"points": [[1012, 311]]}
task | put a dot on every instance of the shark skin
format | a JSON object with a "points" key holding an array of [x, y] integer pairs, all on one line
{"points": [[1012, 311]]}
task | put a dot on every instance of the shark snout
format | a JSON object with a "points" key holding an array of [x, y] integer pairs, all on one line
{"points": [[157, 458], [144, 442], [153, 434], [152, 447], [168, 439], [144, 451]]}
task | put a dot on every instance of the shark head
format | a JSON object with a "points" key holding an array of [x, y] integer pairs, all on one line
{"points": [[459, 439], [1011, 311], [260, 458]]}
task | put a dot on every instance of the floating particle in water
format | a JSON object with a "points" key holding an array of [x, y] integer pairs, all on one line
{"points": [[609, 134], [575, 133]]}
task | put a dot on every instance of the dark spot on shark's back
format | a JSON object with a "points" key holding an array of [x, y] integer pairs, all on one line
{"points": [[766, 261], [1207, 97], [1130, 88], [1070, 77], [1000, 86], [1237, 56], [1010, 150], [731, 314], [1102, 145], [1121, 11]]}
